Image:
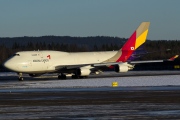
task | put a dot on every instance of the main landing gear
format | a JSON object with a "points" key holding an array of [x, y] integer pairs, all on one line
{"points": [[62, 76], [20, 77], [78, 77], [75, 76]]}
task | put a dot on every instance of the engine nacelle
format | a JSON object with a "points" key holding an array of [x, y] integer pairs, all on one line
{"points": [[121, 68], [83, 72], [35, 75]]}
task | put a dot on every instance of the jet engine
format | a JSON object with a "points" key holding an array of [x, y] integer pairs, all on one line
{"points": [[121, 68], [83, 72]]}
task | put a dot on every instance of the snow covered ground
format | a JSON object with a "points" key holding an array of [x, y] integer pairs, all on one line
{"points": [[125, 81]]}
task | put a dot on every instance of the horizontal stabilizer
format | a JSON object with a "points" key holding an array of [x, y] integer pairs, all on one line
{"points": [[173, 58], [153, 61]]}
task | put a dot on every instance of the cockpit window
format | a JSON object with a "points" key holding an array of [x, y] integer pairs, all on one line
{"points": [[16, 55]]}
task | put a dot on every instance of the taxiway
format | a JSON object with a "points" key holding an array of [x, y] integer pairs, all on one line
{"points": [[139, 95]]}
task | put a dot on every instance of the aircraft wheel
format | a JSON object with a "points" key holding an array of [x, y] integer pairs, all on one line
{"points": [[21, 78], [59, 76], [83, 76], [62, 76], [75, 77]]}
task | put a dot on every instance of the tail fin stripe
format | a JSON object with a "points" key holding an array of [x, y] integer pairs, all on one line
{"points": [[141, 39]]}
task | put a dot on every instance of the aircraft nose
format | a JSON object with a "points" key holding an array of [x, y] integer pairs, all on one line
{"points": [[9, 65]]}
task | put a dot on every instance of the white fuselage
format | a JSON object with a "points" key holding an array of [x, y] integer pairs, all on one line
{"points": [[46, 61]]}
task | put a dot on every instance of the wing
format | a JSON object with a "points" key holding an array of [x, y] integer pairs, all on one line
{"points": [[94, 65]]}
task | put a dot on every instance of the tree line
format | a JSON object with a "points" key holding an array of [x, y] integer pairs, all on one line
{"points": [[8, 46]]}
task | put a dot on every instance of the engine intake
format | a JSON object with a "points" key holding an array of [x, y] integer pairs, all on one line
{"points": [[121, 68], [83, 72]]}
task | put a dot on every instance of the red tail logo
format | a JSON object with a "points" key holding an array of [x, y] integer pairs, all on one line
{"points": [[49, 56]]}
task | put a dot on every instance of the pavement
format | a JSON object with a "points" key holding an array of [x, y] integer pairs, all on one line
{"points": [[140, 95]]}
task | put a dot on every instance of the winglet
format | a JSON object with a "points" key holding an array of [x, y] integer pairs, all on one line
{"points": [[173, 58]]}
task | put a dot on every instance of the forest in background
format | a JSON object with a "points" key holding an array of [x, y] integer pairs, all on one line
{"points": [[8, 46]]}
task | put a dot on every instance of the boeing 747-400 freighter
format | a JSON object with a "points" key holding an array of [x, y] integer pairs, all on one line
{"points": [[80, 64]]}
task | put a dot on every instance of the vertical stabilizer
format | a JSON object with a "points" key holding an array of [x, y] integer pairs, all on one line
{"points": [[137, 39]]}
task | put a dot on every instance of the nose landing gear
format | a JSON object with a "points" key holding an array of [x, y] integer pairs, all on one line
{"points": [[20, 78]]}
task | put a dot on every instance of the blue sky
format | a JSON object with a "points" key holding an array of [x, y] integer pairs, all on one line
{"points": [[116, 18]]}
